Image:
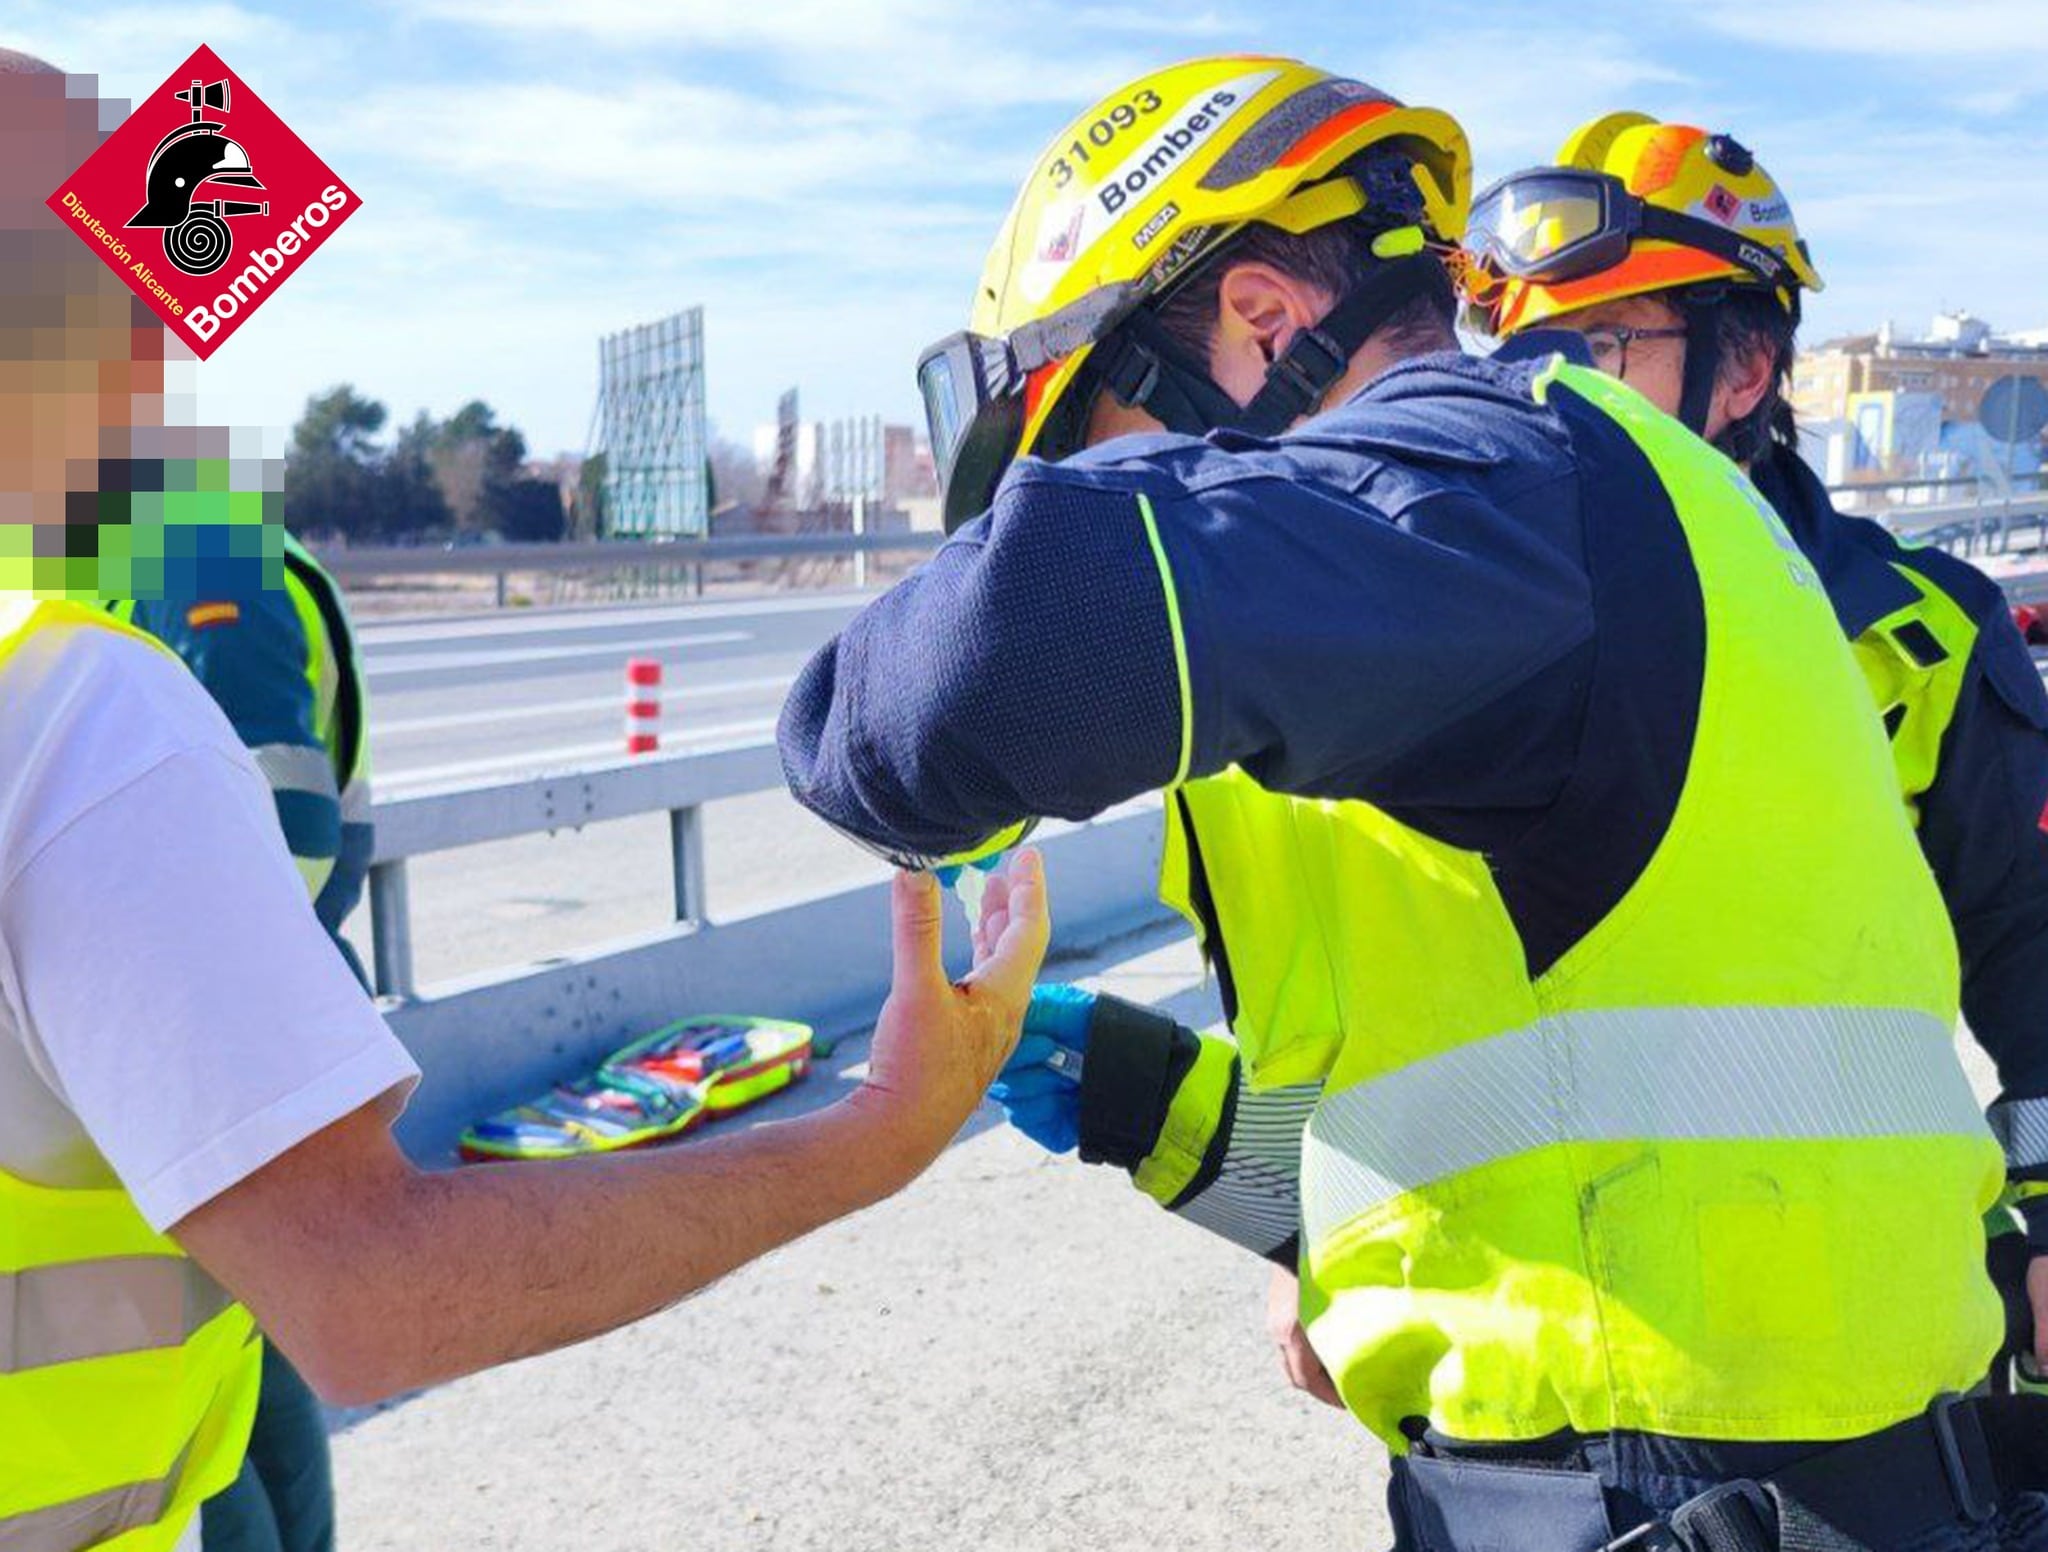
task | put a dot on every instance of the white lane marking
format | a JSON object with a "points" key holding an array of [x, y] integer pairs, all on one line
{"points": [[429, 662], [456, 719], [562, 759], [371, 635]]}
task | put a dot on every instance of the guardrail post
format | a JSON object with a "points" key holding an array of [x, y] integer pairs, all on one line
{"points": [[686, 844], [391, 929], [501, 590]]}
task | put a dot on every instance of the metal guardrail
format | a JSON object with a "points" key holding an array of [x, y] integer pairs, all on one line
{"points": [[2035, 477], [1994, 520], [682, 785], [484, 1042], [499, 561], [582, 555], [1993, 504]]}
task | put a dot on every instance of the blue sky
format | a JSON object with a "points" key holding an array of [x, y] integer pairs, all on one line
{"points": [[825, 175]]}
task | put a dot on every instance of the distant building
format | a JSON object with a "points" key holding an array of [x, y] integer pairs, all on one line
{"points": [[836, 462], [1960, 357], [908, 472], [1896, 408]]}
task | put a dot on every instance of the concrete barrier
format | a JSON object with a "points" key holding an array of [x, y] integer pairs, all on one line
{"points": [[487, 1041]]}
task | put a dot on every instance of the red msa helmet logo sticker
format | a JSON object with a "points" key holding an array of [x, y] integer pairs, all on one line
{"points": [[203, 202], [1722, 205]]}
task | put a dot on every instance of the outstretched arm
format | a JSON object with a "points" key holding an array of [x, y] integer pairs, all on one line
{"points": [[1113, 627], [377, 1277]]}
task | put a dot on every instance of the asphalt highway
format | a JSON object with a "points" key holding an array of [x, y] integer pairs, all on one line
{"points": [[491, 698]]}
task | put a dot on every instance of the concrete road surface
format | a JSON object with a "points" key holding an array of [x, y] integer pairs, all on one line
{"points": [[1018, 1352]]}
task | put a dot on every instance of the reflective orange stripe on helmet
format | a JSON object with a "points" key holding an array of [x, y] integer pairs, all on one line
{"points": [[1720, 214], [1130, 196]]}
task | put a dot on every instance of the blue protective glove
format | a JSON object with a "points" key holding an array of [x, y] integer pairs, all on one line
{"points": [[948, 873], [1039, 1087]]}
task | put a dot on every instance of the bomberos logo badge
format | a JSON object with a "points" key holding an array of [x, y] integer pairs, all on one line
{"points": [[204, 202]]}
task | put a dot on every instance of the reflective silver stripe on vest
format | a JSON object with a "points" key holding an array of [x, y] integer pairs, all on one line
{"points": [[1619, 1075], [78, 1523], [355, 802], [296, 768], [2021, 1127], [101, 1308]]}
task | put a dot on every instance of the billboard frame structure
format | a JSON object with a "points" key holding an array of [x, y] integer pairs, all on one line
{"points": [[652, 429]]}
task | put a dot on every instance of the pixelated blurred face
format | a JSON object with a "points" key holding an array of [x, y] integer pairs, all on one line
{"points": [[96, 497], [73, 354]]}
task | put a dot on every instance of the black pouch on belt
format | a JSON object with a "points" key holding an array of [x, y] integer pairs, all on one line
{"points": [[1475, 1506]]}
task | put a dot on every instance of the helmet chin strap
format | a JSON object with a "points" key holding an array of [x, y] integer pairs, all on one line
{"points": [[1702, 364], [1742, 439], [1147, 369]]}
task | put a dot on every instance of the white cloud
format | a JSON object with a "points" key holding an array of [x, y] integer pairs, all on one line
{"points": [[632, 148], [914, 59], [1986, 58], [131, 51], [823, 26], [1518, 95], [1901, 29], [824, 176]]}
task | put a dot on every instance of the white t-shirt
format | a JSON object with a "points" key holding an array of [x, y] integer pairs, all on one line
{"points": [[172, 1016]]}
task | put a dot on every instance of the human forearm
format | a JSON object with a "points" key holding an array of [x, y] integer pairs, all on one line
{"points": [[440, 1274], [1210, 1150], [379, 1278]]}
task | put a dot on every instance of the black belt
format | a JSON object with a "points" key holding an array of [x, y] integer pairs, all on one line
{"points": [[1961, 1460], [1956, 1462]]}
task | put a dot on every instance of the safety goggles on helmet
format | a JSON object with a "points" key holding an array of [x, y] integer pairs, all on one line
{"points": [[976, 390], [1550, 225]]}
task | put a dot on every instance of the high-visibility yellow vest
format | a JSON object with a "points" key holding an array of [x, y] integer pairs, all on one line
{"points": [[335, 671], [1716, 1172], [1916, 688], [340, 768], [127, 1376]]}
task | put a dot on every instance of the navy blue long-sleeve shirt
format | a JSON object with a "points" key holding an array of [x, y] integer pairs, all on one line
{"points": [[1399, 602]]}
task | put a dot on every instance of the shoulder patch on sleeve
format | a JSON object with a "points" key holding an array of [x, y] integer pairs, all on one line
{"points": [[200, 616]]}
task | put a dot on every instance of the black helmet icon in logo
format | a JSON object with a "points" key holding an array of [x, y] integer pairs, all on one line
{"points": [[196, 235]]}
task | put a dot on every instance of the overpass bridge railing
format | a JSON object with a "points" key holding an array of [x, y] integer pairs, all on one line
{"points": [[487, 1041]]}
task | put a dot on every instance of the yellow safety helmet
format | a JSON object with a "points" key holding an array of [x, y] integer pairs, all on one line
{"points": [[1135, 193], [1632, 206]]}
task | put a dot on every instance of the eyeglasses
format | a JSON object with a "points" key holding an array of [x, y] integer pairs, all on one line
{"points": [[1609, 342]]}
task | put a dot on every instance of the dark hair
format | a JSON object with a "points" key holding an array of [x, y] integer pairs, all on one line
{"points": [[1749, 320], [1329, 258]]}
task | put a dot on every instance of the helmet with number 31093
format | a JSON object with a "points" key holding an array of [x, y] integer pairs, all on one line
{"points": [[1134, 194]]}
